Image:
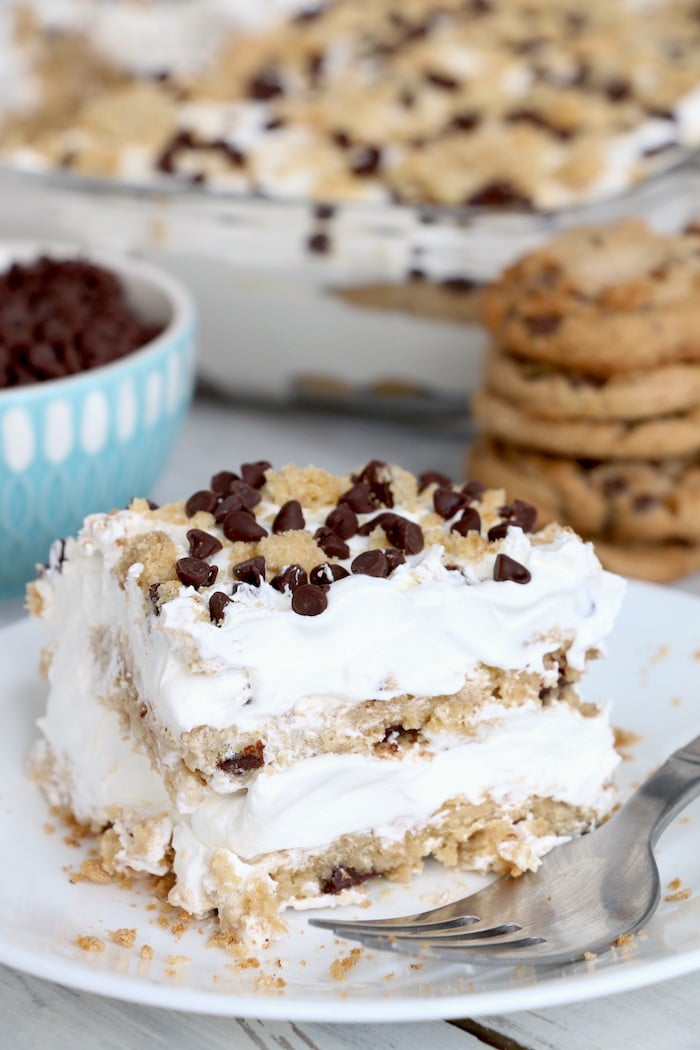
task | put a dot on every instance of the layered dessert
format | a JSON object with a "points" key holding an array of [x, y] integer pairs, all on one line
{"points": [[293, 682], [454, 102]]}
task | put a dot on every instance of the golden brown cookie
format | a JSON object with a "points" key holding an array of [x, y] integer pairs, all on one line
{"points": [[677, 434], [659, 563], [601, 300], [627, 501], [558, 394]]}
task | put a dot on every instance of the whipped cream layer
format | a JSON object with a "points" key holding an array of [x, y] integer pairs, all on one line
{"points": [[418, 632]]}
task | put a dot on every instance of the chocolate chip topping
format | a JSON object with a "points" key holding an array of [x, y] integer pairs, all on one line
{"points": [[342, 878], [221, 482], [154, 598], [378, 486], [500, 194], [360, 499], [217, 604], [195, 572], [227, 504], [433, 477], [384, 520], [473, 490], [330, 544], [370, 563], [520, 513], [254, 473], [290, 579], [507, 568], [447, 502], [405, 534], [326, 573], [251, 757], [309, 600], [289, 517], [544, 324], [202, 544], [343, 521], [394, 558], [251, 571], [204, 499], [470, 521], [499, 531], [239, 525], [365, 160], [266, 84]]}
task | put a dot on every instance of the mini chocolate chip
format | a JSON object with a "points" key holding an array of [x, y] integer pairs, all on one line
{"points": [[254, 473], [343, 521], [342, 878], [365, 160], [217, 604], [221, 482], [441, 80], [324, 212], [341, 139], [154, 597], [290, 578], [318, 244], [266, 84], [520, 513], [327, 573], [379, 486], [470, 521], [433, 477], [498, 194], [644, 502], [384, 521], [202, 544], [406, 535], [251, 571], [447, 502], [460, 284], [499, 531], [251, 757], [473, 490], [507, 568], [309, 600], [202, 500], [195, 572], [360, 499], [370, 563], [394, 558], [152, 505], [289, 518], [465, 121], [538, 120], [545, 324], [617, 89], [239, 525], [331, 544], [227, 504]]}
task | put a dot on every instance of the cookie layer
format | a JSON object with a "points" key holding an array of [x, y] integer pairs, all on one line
{"points": [[602, 300]]}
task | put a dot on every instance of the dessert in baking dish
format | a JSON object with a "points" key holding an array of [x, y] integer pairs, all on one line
{"points": [[293, 682]]}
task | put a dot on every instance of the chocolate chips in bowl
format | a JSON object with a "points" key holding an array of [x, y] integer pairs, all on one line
{"points": [[96, 367], [63, 316]]}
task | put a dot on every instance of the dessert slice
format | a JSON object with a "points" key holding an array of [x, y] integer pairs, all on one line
{"points": [[294, 681]]}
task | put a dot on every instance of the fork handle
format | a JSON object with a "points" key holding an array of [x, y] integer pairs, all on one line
{"points": [[665, 793]]}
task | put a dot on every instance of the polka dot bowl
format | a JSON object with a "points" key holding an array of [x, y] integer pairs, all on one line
{"points": [[92, 441]]}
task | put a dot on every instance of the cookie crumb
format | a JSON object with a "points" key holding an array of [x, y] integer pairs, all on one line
{"points": [[681, 895], [90, 944], [124, 937], [341, 967]]}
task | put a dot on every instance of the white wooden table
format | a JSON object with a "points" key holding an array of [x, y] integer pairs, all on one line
{"points": [[35, 1014]]}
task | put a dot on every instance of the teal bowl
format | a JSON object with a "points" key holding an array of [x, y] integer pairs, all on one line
{"points": [[94, 440]]}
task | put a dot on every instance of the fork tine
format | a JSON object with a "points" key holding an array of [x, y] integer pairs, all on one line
{"points": [[506, 947], [396, 925]]}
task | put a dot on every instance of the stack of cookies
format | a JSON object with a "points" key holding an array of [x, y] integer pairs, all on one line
{"points": [[591, 399]]}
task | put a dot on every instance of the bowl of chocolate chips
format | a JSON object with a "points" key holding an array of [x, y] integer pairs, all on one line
{"points": [[96, 372]]}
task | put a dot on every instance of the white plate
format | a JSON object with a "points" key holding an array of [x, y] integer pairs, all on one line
{"points": [[653, 676]]}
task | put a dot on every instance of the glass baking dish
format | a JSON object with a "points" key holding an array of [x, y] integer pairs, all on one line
{"points": [[364, 307]]}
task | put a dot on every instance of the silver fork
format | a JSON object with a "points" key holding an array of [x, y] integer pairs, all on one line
{"points": [[587, 893]]}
